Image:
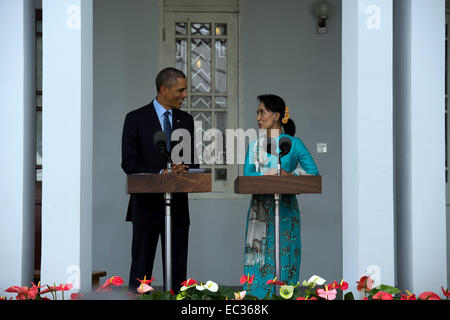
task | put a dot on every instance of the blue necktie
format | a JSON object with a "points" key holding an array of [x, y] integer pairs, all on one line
{"points": [[167, 128]]}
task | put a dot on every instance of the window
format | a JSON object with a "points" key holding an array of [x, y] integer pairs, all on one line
{"points": [[204, 46]]}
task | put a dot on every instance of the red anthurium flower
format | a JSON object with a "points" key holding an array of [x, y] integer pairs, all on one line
{"points": [[275, 282], [365, 283], [428, 295], [248, 279], [383, 296], [61, 287], [408, 296], [13, 289], [145, 281], [189, 282], [446, 293], [22, 292], [113, 281], [34, 290], [75, 296], [344, 285], [307, 298], [334, 285]]}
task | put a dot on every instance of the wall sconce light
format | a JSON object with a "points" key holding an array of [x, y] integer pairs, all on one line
{"points": [[322, 10]]}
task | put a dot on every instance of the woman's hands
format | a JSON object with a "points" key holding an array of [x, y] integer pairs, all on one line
{"points": [[273, 172]]}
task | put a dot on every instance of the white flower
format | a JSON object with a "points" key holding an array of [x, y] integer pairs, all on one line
{"points": [[200, 287], [240, 295], [210, 285], [313, 281]]}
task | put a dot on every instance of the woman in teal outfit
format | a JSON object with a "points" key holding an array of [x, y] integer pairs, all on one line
{"points": [[259, 254]]}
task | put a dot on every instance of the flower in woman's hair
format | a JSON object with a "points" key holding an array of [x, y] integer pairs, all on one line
{"points": [[286, 115]]}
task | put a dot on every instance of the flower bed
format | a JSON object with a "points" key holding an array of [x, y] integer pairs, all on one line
{"points": [[316, 288]]}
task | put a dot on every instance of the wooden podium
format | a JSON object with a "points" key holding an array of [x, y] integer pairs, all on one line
{"points": [[278, 185], [168, 184]]}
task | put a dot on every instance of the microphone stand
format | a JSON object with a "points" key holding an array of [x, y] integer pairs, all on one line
{"points": [[284, 150], [168, 235], [277, 230]]}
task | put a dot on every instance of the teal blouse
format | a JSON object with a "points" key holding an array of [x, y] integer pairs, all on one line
{"points": [[298, 160]]}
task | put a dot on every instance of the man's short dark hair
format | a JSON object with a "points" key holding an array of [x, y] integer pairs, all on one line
{"points": [[168, 77]]}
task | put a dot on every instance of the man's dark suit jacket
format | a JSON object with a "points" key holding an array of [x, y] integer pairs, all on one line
{"points": [[140, 155]]}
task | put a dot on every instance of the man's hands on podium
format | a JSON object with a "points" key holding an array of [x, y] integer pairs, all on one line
{"points": [[177, 168]]}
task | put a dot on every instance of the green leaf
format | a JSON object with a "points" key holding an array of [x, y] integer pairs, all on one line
{"points": [[389, 289], [349, 296]]}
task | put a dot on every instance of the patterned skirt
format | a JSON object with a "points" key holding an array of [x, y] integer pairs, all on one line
{"points": [[259, 253]]}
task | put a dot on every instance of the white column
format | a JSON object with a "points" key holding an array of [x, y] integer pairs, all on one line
{"points": [[367, 141], [17, 140], [67, 143], [420, 144]]}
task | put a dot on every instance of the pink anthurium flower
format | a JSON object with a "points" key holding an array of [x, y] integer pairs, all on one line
{"points": [[143, 288], [327, 294], [240, 295]]}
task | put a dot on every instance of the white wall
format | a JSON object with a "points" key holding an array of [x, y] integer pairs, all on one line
{"points": [[125, 65], [280, 53]]}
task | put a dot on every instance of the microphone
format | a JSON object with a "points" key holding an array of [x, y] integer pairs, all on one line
{"points": [[285, 146], [160, 140]]}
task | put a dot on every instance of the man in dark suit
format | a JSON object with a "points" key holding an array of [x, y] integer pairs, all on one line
{"points": [[140, 155]]}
